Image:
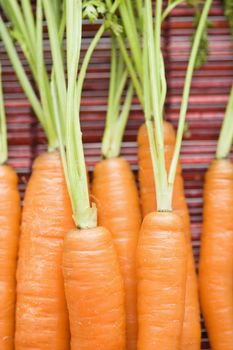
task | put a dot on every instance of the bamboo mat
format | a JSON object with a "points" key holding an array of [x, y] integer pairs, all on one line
{"points": [[210, 90]]}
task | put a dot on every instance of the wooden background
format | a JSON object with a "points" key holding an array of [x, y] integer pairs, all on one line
{"points": [[210, 90]]}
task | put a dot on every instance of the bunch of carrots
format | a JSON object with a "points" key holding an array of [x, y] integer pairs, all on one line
{"points": [[100, 265]]}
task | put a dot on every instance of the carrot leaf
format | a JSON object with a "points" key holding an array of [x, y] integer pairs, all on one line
{"points": [[226, 134], [116, 117], [3, 131]]}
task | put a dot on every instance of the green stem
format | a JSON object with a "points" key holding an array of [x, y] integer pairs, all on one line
{"points": [[113, 134], [226, 134], [3, 131], [131, 69], [25, 83], [20, 31], [154, 47], [29, 20], [129, 23], [186, 92], [171, 7], [43, 81], [85, 63], [148, 109], [112, 82], [57, 58]]}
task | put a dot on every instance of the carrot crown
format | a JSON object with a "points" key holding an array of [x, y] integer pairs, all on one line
{"points": [[117, 117], [66, 96], [3, 131]]}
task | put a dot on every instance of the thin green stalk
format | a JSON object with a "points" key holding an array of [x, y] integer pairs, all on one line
{"points": [[20, 31], [57, 57], [139, 7], [116, 130], [112, 83], [3, 131], [148, 109], [42, 80], [157, 46], [85, 214], [119, 91], [170, 7], [17, 65], [186, 92], [129, 23], [154, 48], [85, 63], [116, 121], [226, 134], [131, 69], [163, 84], [29, 20]]}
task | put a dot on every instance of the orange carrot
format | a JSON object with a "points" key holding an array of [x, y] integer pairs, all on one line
{"points": [[161, 289], [94, 290], [115, 193], [41, 312], [216, 258], [93, 284], [191, 329], [9, 235]]}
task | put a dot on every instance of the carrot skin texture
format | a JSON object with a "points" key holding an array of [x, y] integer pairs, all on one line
{"points": [[10, 213], [191, 334], [216, 257], [41, 311], [94, 290], [115, 193], [161, 272]]}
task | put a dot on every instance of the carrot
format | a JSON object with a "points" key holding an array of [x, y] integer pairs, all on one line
{"points": [[191, 335], [163, 237], [161, 289], [94, 290], [93, 283], [9, 235], [115, 193], [41, 311], [216, 258]]}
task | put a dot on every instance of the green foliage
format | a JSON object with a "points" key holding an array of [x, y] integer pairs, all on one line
{"points": [[228, 8], [204, 44], [93, 9]]}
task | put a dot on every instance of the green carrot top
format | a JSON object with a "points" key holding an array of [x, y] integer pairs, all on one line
{"points": [[116, 117], [3, 131], [66, 97], [154, 83], [226, 135]]}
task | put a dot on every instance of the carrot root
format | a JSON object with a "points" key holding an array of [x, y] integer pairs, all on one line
{"points": [[115, 193], [94, 290], [216, 257], [41, 311], [9, 236], [162, 263]]}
